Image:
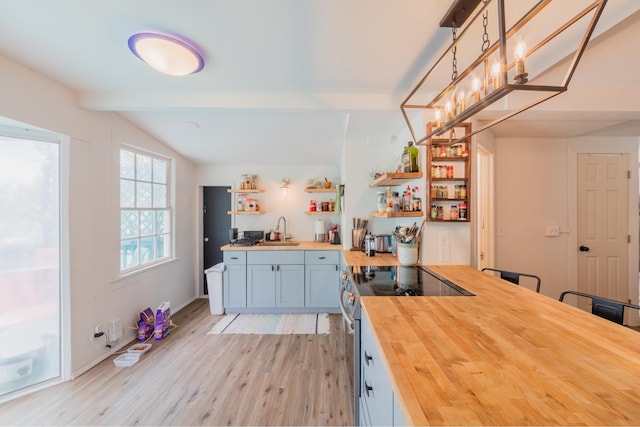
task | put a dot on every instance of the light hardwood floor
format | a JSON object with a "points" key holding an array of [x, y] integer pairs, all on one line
{"points": [[191, 378]]}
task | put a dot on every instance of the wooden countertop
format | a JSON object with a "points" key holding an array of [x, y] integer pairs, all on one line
{"points": [[352, 258], [304, 245], [507, 356]]}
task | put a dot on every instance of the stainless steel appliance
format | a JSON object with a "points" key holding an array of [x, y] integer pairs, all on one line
{"points": [[397, 281], [383, 243]]}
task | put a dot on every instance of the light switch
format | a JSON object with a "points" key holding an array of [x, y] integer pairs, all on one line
{"points": [[552, 230]]}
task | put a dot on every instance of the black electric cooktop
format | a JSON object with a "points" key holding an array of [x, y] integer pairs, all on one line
{"points": [[403, 281]]}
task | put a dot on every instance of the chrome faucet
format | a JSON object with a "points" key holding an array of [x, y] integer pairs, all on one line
{"points": [[284, 230]]}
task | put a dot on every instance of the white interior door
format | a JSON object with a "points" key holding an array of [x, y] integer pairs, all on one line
{"points": [[603, 235], [484, 209]]}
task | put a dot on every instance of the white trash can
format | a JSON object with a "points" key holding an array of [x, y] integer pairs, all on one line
{"points": [[214, 285]]}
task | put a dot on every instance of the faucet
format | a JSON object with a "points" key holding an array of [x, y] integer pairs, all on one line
{"points": [[284, 230]]}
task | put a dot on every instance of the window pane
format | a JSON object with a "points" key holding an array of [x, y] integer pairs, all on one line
{"points": [[128, 253], [159, 196], [143, 195], [163, 242], [159, 171], [127, 193], [128, 224], [163, 224], [127, 165], [147, 223], [29, 263], [143, 168], [147, 249]]}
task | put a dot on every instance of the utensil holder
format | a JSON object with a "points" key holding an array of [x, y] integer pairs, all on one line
{"points": [[407, 253]]}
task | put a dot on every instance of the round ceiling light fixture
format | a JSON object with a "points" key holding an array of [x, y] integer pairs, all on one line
{"points": [[166, 54]]}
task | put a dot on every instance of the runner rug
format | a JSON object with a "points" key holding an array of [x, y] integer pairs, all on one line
{"points": [[272, 324]]}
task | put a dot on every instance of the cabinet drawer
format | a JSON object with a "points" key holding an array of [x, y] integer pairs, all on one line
{"points": [[275, 257], [321, 257], [234, 257]]}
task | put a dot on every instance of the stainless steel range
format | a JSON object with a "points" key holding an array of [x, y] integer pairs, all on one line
{"points": [[399, 281]]}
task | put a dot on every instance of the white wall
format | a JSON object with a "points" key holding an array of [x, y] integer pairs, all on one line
{"points": [[535, 185], [97, 295]]}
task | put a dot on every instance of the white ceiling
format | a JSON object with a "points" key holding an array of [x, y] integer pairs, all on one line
{"points": [[288, 81]]}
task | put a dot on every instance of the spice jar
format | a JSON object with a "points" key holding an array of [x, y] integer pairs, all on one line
{"points": [[462, 214], [312, 205], [453, 212]]}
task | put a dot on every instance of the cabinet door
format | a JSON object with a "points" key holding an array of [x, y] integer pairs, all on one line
{"points": [[235, 286], [261, 286], [290, 286], [321, 286], [376, 387]]}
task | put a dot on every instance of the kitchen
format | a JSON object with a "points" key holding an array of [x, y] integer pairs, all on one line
{"points": [[518, 201]]}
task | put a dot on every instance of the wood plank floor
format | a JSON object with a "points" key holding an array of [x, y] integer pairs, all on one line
{"points": [[191, 378]]}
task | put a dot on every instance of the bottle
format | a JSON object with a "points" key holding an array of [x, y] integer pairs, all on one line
{"points": [[381, 204], [389, 205], [410, 158], [462, 215], [434, 212]]}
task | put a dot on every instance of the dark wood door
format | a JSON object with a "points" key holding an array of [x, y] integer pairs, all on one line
{"points": [[216, 225]]}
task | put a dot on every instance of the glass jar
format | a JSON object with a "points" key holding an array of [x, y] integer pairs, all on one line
{"points": [[440, 213], [453, 212]]}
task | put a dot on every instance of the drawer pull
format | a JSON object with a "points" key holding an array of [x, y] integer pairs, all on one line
{"points": [[367, 358], [322, 257], [367, 388], [234, 257]]}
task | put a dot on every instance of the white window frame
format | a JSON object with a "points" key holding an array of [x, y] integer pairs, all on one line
{"points": [[168, 186]]}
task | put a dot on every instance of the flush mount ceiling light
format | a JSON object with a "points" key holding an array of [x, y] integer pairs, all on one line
{"points": [[508, 54], [168, 54]]}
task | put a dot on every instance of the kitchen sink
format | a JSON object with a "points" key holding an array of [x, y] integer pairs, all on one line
{"points": [[278, 243]]}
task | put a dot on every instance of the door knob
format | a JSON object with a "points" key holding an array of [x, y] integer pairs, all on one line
{"points": [[584, 249], [206, 239]]}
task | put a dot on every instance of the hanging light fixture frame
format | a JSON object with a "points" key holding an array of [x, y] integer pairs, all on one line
{"points": [[457, 17]]}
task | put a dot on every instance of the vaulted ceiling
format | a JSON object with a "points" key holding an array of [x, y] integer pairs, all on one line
{"points": [[288, 81]]}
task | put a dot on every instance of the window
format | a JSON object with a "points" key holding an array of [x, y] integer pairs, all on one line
{"points": [[145, 210]]}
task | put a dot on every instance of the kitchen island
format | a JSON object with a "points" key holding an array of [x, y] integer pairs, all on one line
{"points": [[506, 356]]}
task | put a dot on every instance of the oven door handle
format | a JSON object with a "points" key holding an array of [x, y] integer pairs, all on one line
{"points": [[345, 315]]}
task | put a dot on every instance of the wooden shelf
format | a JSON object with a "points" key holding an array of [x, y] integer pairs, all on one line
{"points": [[462, 170], [395, 178], [245, 212], [320, 213], [449, 179], [252, 190], [396, 214], [319, 190]]}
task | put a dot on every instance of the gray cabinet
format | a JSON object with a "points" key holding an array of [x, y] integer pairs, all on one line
{"points": [[235, 279], [290, 285], [275, 279], [322, 279], [261, 286], [278, 281], [377, 403]]}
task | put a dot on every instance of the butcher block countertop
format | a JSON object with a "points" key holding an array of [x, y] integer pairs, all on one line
{"points": [[507, 356], [302, 245], [352, 258]]}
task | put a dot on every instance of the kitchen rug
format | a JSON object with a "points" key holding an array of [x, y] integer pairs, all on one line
{"points": [[272, 324]]}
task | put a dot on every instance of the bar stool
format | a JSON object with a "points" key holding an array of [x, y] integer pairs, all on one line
{"points": [[604, 307], [514, 277]]}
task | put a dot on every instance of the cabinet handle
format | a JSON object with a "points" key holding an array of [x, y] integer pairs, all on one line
{"points": [[367, 388], [322, 257], [336, 267], [367, 358], [234, 257], [273, 268], [278, 267]]}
